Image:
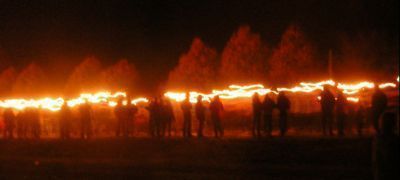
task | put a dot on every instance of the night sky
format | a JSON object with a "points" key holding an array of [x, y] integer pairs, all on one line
{"points": [[153, 34]]}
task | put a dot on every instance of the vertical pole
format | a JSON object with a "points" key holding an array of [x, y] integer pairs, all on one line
{"points": [[330, 64]]}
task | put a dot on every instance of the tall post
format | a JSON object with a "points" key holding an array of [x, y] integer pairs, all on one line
{"points": [[330, 64]]}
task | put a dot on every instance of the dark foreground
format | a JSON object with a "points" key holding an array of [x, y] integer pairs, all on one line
{"points": [[287, 158]]}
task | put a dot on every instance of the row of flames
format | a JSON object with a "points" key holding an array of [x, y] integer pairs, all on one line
{"points": [[233, 92]]}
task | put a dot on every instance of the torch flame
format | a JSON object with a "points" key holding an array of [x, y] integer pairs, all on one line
{"points": [[233, 92]]}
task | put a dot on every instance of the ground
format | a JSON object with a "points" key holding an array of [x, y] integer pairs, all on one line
{"points": [[231, 158]]}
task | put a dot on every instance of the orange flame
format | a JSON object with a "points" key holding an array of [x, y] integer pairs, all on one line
{"points": [[233, 92]]}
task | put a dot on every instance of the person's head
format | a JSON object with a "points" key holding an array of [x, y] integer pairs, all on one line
{"points": [[255, 95], [325, 87], [388, 123], [128, 99], [216, 98], [65, 103], [199, 98], [187, 96], [376, 87], [340, 93], [119, 102]]}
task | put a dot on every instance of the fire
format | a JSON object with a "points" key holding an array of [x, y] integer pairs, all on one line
{"points": [[355, 88], [45, 103], [233, 92], [385, 85], [308, 87], [236, 91], [54, 104]]}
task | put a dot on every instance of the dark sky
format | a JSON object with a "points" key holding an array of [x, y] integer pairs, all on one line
{"points": [[153, 34]]}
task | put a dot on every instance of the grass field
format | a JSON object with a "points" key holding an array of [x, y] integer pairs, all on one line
{"points": [[273, 158]]}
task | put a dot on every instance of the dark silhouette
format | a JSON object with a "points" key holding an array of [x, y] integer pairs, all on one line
{"points": [[283, 104], [120, 114], [22, 124], [341, 115], [161, 121], [187, 116], [257, 111], [9, 123], [360, 119], [386, 149], [153, 116], [169, 116], [85, 111], [327, 106], [216, 108], [268, 107], [200, 115], [34, 119], [379, 104], [131, 109], [65, 121]]}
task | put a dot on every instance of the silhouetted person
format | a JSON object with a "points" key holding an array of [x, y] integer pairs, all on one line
{"points": [[268, 107], [34, 117], [386, 150], [120, 113], [200, 115], [152, 108], [283, 104], [9, 123], [327, 107], [360, 119], [85, 111], [187, 116], [161, 121], [379, 104], [22, 124], [341, 115], [65, 121], [216, 108], [132, 110], [257, 111], [169, 116]]}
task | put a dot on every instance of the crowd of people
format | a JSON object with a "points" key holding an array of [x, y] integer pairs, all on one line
{"points": [[161, 116], [332, 109]]}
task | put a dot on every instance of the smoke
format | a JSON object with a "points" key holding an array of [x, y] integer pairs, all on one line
{"points": [[30, 82], [120, 76], [7, 79], [244, 58], [85, 76], [293, 60], [196, 68]]}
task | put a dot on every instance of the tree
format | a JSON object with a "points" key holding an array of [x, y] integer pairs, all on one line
{"points": [[30, 82], [361, 56], [120, 76], [7, 79], [244, 58], [85, 77], [293, 60], [196, 68]]}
